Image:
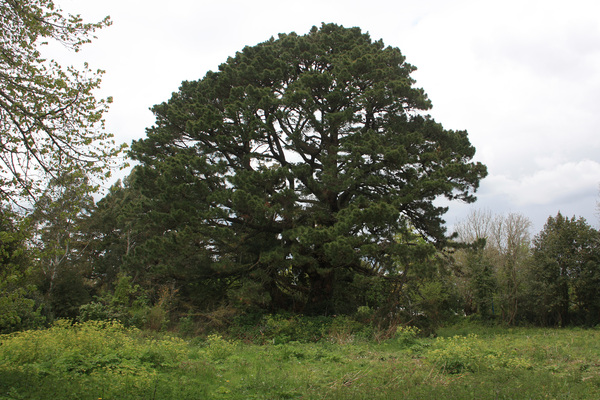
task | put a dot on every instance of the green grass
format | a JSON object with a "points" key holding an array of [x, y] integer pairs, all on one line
{"points": [[107, 361]]}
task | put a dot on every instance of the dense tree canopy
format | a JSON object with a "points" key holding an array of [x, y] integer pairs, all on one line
{"points": [[301, 157], [566, 272], [50, 121], [18, 309]]}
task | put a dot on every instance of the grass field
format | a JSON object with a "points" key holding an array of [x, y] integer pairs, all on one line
{"points": [[105, 361]]}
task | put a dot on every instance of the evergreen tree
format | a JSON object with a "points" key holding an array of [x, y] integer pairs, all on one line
{"points": [[115, 228], [128, 238], [301, 158], [566, 272]]}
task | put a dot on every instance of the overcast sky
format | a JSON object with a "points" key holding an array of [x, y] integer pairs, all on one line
{"points": [[521, 76]]}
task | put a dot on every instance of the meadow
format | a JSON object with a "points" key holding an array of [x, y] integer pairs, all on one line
{"points": [[105, 360]]}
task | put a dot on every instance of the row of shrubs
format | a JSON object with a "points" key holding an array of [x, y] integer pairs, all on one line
{"points": [[257, 327]]}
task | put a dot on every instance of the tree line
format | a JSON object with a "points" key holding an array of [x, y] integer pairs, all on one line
{"points": [[72, 258], [300, 177]]}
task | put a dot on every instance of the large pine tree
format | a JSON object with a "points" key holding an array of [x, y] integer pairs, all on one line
{"points": [[301, 158]]}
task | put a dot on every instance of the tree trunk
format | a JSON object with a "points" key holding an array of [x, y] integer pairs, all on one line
{"points": [[320, 296]]}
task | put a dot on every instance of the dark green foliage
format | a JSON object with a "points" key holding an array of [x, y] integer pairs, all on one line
{"points": [[284, 328], [353, 290], [116, 231], [566, 273], [19, 306], [483, 283], [297, 164], [136, 238], [68, 294], [127, 303]]}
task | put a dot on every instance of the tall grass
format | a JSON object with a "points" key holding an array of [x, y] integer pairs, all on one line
{"points": [[99, 360]]}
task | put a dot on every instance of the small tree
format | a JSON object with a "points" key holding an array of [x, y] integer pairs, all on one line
{"points": [[60, 216], [512, 239], [502, 255]]}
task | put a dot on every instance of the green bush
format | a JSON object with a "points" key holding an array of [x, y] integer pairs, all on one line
{"points": [[218, 348], [128, 304], [19, 311], [470, 353], [284, 328], [97, 311], [406, 336], [87, 347]]}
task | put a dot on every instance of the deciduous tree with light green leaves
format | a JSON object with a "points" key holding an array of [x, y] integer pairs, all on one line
{"points": [[302, 157], [50, 121], [61, 217], [18, 309]]}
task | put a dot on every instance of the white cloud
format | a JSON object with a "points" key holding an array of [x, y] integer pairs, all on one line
{"points": [[557, 184], [521, 76]]}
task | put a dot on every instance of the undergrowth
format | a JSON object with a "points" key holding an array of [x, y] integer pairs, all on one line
{"points": [[105, 360]]}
